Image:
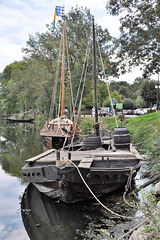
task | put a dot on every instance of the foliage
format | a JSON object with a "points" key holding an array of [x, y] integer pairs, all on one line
{"points": [[30, 83], [86, 125], [154, 155], [140, 103], [109, 122], [149, 92], [145, 134], [128, 103], [139, 41], [152, 214]]}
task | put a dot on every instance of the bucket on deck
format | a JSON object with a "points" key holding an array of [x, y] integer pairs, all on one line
{"points": [[121, 138]]}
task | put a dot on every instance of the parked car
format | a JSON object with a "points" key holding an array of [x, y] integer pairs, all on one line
{"points": [[103, 111], [130, 112], [140, 111]]}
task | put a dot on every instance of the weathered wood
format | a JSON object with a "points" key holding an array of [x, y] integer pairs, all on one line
{"points": [[145, 184], [58, 123], [86, 162], [40, 156]]}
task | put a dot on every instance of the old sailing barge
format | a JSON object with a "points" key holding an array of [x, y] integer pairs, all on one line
{"points": [[60, 131], [101, 167]]}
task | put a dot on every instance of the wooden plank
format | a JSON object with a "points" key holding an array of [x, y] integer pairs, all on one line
{"points": [[40, 155], [86, 162], [61, 124]]}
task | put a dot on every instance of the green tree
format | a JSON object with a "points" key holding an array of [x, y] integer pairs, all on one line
{"points": [[116, 96], [29, 83], [137, 83], [140, 103], [128, 103], [44, 48], [148, 92], [8, 103], [139, 41]]}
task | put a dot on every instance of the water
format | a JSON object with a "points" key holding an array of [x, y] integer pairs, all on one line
{"points": [[17, 143], [44, 218]]}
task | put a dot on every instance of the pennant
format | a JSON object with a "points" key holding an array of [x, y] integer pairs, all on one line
{"points": [[59, 11]]}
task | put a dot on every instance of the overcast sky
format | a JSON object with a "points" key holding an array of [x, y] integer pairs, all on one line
{"points": [[19, 18]]}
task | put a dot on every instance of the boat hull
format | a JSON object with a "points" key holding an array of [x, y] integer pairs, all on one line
{"points": [[89, 173]]}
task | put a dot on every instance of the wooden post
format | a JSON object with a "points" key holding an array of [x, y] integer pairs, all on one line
{"points": [[145, 184]]}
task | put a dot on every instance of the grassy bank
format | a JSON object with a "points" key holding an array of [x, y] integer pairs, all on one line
{"points": [[144, 131]]}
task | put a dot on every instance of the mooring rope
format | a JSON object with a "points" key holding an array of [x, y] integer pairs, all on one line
{"points": [[128, 186], [109, 210]]}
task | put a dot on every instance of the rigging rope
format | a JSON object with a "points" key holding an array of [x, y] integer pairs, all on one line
{"points": [[107, 83], [83, 74], [55, 83], [83, 70], [69, 77]]}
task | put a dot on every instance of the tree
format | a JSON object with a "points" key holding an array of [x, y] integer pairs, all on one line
{"points": [[128, 103], [8, 103], [140, 103], [137, 83], [148, 92], [44, 48], [139, 42]]}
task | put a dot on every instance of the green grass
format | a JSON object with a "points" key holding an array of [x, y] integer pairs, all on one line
{"points": [[144, 131]]}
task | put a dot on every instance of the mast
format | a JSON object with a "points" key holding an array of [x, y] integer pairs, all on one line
{"points": [[96, 125], [63, 63]]}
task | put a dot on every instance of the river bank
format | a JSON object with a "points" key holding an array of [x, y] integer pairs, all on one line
{"points": [[144, 131], [145, 135]]}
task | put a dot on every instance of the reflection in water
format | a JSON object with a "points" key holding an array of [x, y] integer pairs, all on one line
{"points": [[44, 218], [18, 142]]}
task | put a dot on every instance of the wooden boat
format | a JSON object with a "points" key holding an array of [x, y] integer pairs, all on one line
{"points": [[60, 174], [12, 120], [94, 167], [60, 131]]}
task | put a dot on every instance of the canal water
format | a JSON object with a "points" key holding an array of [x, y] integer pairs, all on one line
{"points": [[26, 214]]}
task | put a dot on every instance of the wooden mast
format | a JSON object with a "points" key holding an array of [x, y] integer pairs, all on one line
{"points": [[63, 63], [96, 125]]}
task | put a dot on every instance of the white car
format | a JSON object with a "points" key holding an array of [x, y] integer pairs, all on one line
{"points": [[140, 111]]}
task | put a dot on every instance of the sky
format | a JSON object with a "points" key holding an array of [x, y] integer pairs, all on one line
{"points": [[21, 18]]}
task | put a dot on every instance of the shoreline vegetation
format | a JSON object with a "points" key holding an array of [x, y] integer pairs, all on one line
{"points": [[144, 131], [145, 135]]}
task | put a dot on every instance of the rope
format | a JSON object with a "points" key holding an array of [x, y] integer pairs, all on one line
{"points": [[127, 187], [83, 70], [109, 210], [55, 84], [107, 84], [69, 76]]}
